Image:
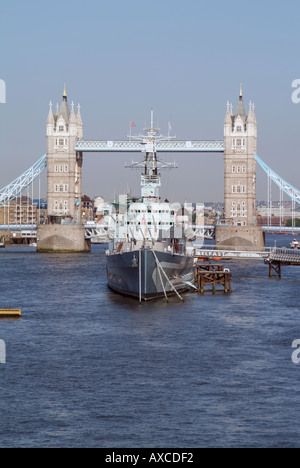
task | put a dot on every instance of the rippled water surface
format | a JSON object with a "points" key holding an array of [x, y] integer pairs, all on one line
{"points": [[86, 367]]}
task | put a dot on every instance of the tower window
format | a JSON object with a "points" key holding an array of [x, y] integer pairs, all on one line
{"points": [[239, 129], [61, 128], [233, 169]]}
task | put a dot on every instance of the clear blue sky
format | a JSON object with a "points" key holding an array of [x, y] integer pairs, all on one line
{"points": [[119, 58]]}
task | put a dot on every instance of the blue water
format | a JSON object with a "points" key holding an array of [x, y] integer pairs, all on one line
{"points": [[88, 368]]}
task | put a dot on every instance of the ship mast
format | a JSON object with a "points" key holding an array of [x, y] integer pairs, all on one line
{"points": [[151, 178]]}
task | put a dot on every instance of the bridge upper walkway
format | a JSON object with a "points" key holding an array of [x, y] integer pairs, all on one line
{"points": [[198, 146]]}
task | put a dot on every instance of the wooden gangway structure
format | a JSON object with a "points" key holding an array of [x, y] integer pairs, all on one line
{"points": [[282, 257]]}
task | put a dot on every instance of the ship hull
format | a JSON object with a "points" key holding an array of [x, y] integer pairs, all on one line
{"points": [[142, 281]]}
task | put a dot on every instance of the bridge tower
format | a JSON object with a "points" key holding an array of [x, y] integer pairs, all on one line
{"points": [[240, 141], [64, 231]]}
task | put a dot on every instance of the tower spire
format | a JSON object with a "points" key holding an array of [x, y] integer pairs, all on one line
{"points": [[65, 91], [240, 108]]}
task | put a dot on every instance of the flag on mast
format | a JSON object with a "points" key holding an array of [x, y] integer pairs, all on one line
{"points": [[132, 124]]}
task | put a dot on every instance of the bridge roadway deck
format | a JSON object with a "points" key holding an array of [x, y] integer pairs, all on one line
{"points": [[206, 228]]}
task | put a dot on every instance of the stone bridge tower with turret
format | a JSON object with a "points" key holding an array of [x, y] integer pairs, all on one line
{"points": [[240, 141], [64, 231]]}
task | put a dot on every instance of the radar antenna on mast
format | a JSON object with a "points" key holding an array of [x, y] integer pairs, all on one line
{"points": [[151, 179]]}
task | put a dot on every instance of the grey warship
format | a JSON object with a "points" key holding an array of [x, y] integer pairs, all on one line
{"points": [[150, 256]]}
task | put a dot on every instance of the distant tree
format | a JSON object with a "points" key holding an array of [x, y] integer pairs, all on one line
{"points": [[289, 223]]}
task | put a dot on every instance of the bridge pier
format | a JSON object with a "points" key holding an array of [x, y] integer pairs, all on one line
{"points": [[62, 238], [240, 237]]}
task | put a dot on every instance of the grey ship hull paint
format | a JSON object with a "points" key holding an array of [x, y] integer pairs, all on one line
{"points": [[123, 273]]}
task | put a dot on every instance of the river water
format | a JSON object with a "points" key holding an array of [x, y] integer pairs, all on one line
{"points": [[88, 368]]}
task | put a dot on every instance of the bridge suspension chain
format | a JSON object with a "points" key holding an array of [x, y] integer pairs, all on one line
{"points": [[291, 191], [15, 188]]}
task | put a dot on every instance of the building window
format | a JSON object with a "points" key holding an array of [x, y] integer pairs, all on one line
{"points": [[66, 168], [238, 169], [233, 169], [238, 142], [239, 189], [239, 129], [66, 188], [61, 128], [56, 188], [55, 168], [244, 170]]}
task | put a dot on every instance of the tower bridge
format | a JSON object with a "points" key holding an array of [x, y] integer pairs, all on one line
{"points": [[64, 162]]}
